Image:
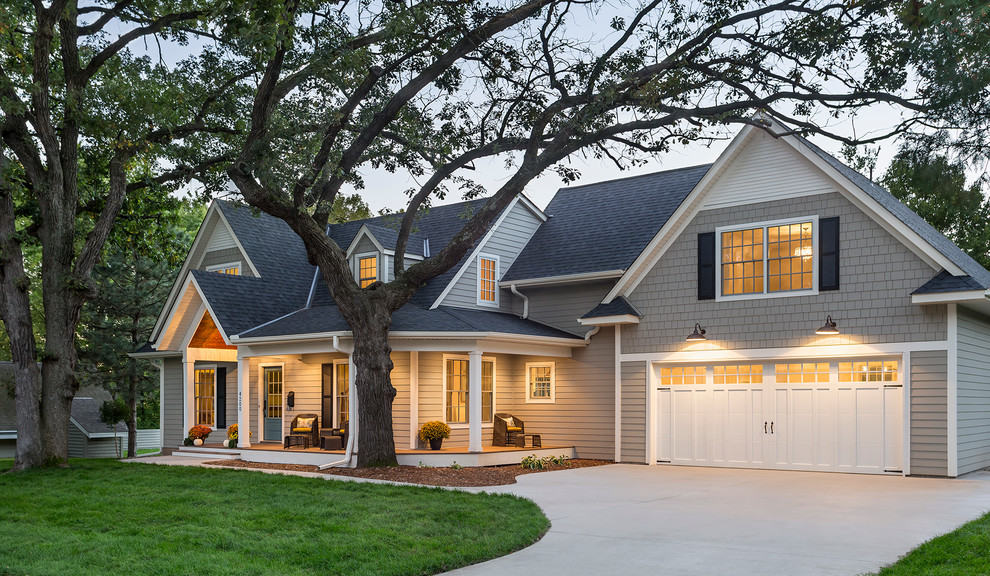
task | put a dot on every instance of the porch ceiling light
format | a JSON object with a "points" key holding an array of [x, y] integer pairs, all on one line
{"points": [[698, 334], [829, 327]]}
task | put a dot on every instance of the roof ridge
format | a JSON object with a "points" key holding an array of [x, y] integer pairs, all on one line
{"points": [[634, 177]]}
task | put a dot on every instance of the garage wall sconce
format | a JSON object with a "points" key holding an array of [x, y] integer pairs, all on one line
{"points": [[698, 334], [829, 327]]}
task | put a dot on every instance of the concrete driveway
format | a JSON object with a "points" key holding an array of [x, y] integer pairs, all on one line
{"points": [[631, 520]]}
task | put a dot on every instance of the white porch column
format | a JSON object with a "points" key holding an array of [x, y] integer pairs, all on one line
{"points": [[413, 399], [243, 403], [474, 401], [188, 378]]}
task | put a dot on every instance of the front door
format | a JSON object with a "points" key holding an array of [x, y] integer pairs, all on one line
{"points": [[273, 405]]}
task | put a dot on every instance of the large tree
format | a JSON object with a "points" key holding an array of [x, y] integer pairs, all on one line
{"points": [[86, 116], [436, 87]]}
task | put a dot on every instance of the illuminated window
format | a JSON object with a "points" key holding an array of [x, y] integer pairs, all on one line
{"points": [[541, 382], [341, 400], [232, 268], [739, 374], [807, 372], [205, 392], [874, 371], [487, 276], [367, 270], [773, 258], [682, 375], [487, 391], [456, 391]]}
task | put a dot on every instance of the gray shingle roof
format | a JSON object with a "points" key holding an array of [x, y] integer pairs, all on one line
{"points": [[603, 226], [945, 282], [86, 412], [243, 302], [618, 307], [946, 247]]}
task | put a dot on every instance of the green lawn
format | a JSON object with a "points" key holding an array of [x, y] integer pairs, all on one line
{"points": [[964, 551], [108, 517]]}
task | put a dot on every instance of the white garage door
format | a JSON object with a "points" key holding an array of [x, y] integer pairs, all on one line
{"points": [[841, 416]]}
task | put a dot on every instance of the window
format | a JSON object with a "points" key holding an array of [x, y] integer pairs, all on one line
{"points": [[457, 394], [739, 374], [773, 258], [487, 278], [682, 375], [232, 268], [367, 270], [205, 392], [341, 399], [877, 371], [540, 382], [808, 372]]}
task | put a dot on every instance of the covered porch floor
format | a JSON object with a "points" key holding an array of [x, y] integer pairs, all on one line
{"points": [[275, 454]]}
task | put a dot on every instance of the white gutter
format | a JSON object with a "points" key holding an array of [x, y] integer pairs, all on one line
{"points": [[525, 300], [351, 414], [592, 332], [566, 278]]}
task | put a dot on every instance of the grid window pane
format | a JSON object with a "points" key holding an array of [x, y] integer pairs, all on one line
{"points": [[343, 389], [487, 390], [205, 393], [682, 375], [367, 270], [486, 278], [739, 374], [742, 261], [457, 391], [273, 389], [790, 257], [540, 382], [870, 371], [807, 372]]}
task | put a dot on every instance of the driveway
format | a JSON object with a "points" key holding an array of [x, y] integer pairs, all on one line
{"points": [[630, 520]]}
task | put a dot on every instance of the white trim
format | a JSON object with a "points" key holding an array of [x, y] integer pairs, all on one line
{"points": [[524, 199], [714, 354], [617, 358], [224, 266], [553, 383], [357, 266], [906, 418], [951, 393], [609, 320], [965, 296], [363, 231], [243, 402], [197, 320], [719, 297], [161, 402], [426, 335], [262, 396], [565, 279], [443, 389], [651, 413], [495, 287], [413, 399], [474, 253]]}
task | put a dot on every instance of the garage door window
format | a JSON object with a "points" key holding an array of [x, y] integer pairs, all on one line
{"points": [[680, 375], [739, 374], [802, 373], [878, 371]]}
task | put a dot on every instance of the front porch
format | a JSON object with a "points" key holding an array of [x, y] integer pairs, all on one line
{"points": [[275, 454]]}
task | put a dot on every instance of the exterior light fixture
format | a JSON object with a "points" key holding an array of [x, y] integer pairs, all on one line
{"points": [[698, 334], [829, 327]]}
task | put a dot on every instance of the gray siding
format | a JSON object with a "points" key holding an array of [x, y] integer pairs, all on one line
{"points": [[225, 256], [973, 391], [633, 412], [561, 306], [506, 242], [873, 306], [172, 403], [929, 442], [77, 442]]}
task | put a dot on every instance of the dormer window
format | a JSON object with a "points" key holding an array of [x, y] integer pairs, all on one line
{"points": [[367, 270], [487, 280], [232, 268]]}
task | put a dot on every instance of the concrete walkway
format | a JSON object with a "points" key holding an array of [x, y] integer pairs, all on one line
{"points": [[632, 520]]}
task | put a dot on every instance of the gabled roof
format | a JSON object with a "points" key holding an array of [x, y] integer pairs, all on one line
{"points": [[86, 414], [618, 307], [945, 282], [604, 226]]}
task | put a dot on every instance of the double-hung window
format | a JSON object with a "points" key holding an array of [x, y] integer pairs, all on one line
{"points": [[487, 280], [541, 382], [772, 258], [457, 393], [367, 270]]}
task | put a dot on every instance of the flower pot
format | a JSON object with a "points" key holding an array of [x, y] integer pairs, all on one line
{"points": [[198, 442], [435, 443]]}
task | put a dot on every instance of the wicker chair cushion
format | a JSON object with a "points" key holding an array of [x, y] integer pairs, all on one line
{"points": [[514, 429], [304, 425]]}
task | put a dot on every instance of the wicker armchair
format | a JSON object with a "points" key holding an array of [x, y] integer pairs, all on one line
{"points": [[311, 429], [505, 427]]}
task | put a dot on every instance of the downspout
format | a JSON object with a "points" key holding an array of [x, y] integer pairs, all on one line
{"points": [[525, 300], [352, 414]]}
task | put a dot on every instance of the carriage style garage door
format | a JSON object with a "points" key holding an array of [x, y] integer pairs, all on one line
{"points": [[840, 416]]}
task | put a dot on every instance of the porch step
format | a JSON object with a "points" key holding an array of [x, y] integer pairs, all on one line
{"points": [[207, 453]]}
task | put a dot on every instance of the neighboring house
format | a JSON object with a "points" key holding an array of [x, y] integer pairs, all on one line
{"points": [[581, 319], [88, 436]]}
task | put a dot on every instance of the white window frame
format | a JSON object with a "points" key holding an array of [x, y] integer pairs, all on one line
{"points": [[477, 293], [815, 259], [196, 368], [443, 397], [553, 383], [221, 267], [357, 265]]}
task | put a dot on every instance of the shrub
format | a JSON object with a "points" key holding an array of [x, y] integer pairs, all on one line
{"points": [[199, 432], [534, 462], [434, 429], [187, 442]]}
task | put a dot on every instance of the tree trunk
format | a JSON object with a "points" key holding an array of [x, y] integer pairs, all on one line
{"points": [[373, 365], [132, 419]]}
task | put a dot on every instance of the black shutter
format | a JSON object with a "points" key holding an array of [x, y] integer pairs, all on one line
{"points": [[221, 397], [706, 266], [828, 250]]}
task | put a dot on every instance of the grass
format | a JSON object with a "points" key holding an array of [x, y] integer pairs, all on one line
{"points": [[104, 517], [964, 551]]}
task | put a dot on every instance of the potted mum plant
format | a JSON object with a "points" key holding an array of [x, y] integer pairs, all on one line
{"points": [[231, 436], [434, 432], [198, 434]]}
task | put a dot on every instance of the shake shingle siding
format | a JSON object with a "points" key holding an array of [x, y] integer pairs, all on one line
{"points": [[973, 389], [929, 440]]}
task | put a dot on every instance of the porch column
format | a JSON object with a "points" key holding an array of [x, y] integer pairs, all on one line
{"points": [[474, 402], [188, 379], [413, 399], [243, 403]]}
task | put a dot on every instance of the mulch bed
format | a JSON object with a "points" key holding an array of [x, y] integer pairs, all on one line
{"points": [[467, 476]]}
